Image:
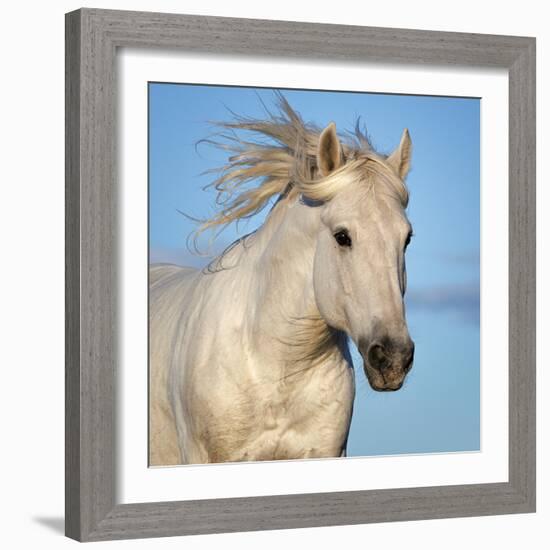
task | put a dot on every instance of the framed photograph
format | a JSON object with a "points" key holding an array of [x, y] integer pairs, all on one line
{"points": [[300, 275]]}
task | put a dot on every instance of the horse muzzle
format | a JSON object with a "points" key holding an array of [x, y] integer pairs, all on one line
{"points": [[387, 362]]}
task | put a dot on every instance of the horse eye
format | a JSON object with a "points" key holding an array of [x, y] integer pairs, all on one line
{"points": [[342, 237], [408, 240]]}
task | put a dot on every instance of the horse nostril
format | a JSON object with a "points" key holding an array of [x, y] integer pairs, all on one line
{"points": [[377, 356], [409, 358]]}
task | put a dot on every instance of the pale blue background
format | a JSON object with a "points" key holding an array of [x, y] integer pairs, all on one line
{"points": [[438, 408]]}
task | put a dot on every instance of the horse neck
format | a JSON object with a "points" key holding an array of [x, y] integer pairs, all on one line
{"points": [[284, 315]]}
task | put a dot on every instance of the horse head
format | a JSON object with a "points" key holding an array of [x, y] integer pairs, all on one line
{"points": [[359, 273]]}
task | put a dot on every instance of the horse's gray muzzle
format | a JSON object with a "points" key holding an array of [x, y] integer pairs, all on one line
{"points": [[386, 362]]}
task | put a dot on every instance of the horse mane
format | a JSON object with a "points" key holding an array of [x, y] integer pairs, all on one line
{"points": [[279, 159]]}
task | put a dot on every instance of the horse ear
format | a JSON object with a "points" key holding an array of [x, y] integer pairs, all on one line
{"points": [[400, 159], [329, 151]]}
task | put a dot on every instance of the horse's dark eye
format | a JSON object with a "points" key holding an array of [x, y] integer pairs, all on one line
{"points": [[342, 237], [408, 240]]}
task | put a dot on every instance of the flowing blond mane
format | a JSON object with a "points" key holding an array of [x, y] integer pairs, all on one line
{"points": [[278, 159]]}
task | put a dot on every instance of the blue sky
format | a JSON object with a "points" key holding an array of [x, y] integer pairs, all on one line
{"points": [[438, 408]]}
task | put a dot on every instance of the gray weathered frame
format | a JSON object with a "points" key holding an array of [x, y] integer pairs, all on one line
{"points": [[92, 38]]}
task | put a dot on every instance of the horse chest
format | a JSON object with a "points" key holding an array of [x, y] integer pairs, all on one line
{"points": [[295, 421]]}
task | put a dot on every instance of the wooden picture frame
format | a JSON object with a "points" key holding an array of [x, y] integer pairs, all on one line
{"points": [[92, 39]]}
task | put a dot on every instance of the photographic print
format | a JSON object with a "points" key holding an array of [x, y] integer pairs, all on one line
{"points": [[314, 275]]}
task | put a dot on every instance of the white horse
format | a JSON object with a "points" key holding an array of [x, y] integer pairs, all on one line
{"points": [[249, 358]]}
